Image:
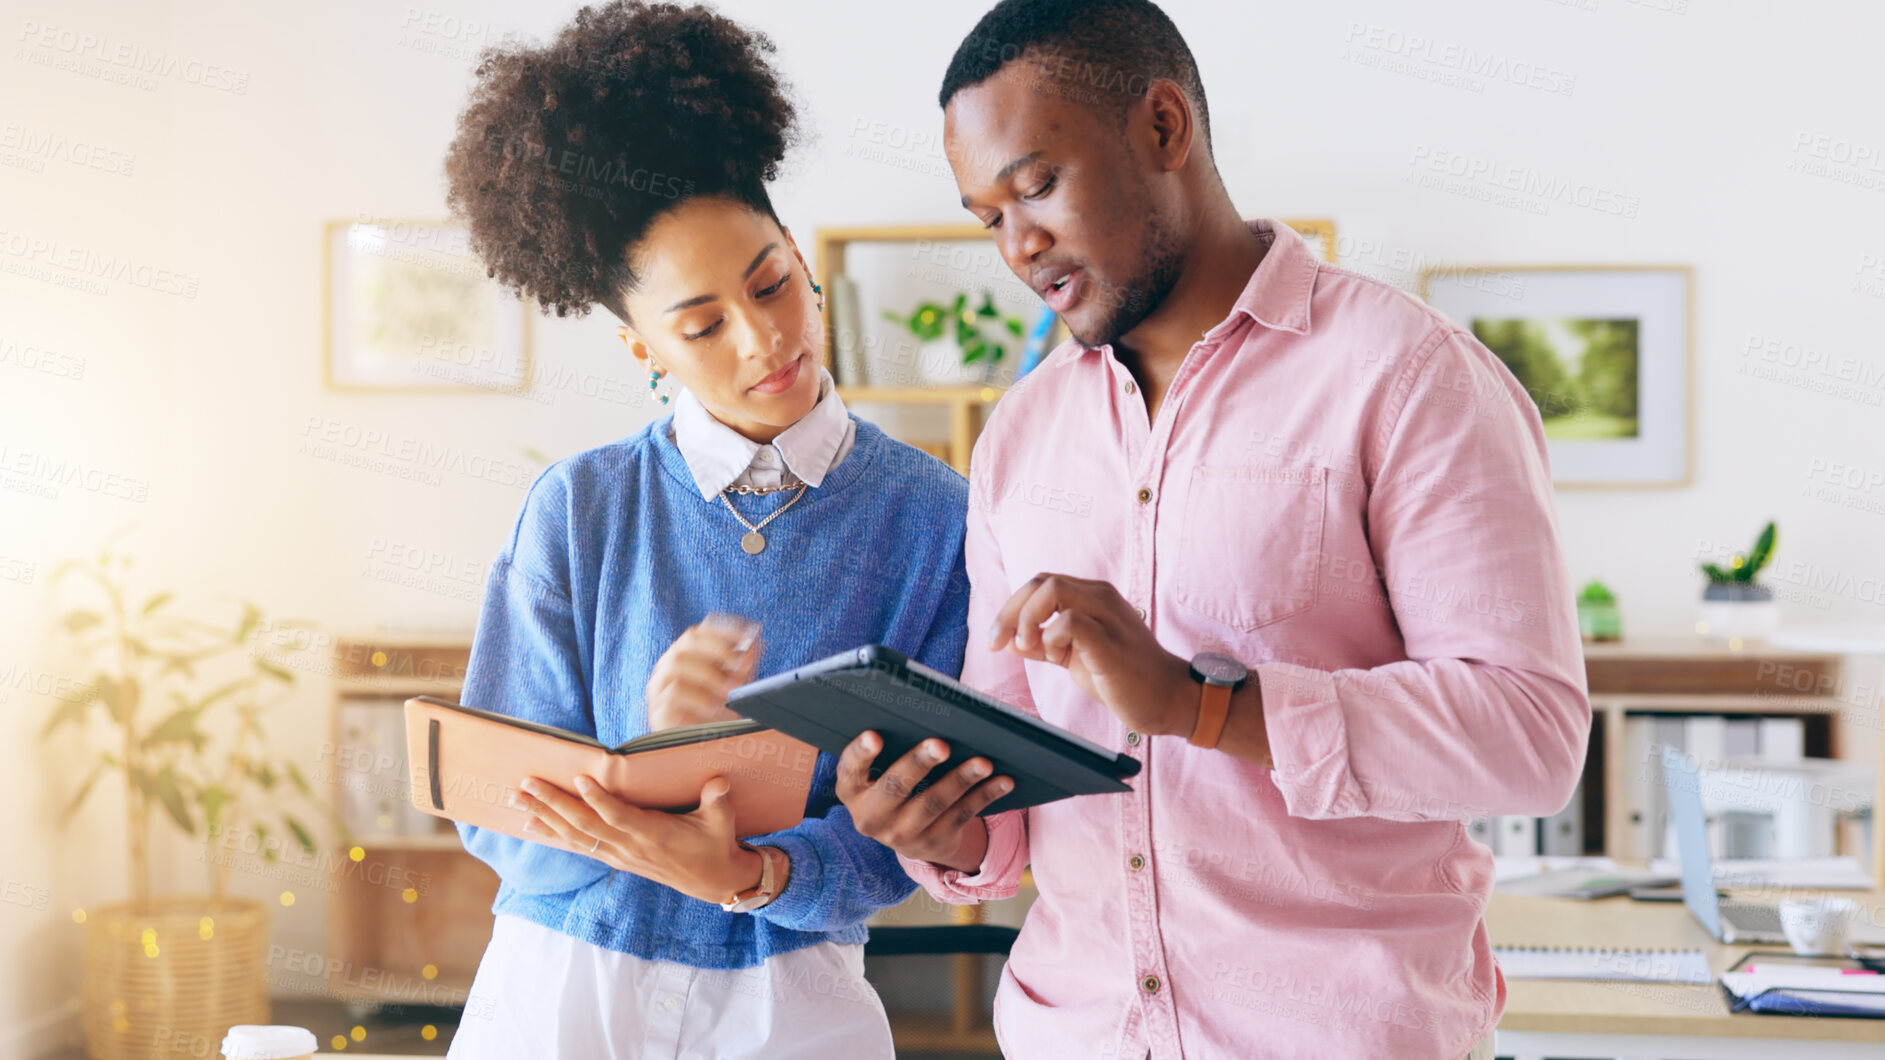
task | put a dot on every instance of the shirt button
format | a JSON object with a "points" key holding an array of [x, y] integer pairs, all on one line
{"points": [[1150, 984], [1137, 861], [672, 1004], [1131, 386], [1140, 611], [1145, 495], [765, 456], [1132, 739]]}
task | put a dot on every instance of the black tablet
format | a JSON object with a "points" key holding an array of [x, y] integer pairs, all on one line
{"points": [[829, 702]]}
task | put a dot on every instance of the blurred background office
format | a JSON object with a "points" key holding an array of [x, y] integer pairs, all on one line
{"points": [[263, 424]]}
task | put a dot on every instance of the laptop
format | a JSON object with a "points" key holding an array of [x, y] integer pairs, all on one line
{"points": [[1727, 920]]}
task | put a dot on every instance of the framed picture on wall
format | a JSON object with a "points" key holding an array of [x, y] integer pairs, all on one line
{"points": [[409, 308], [1318, 232], [1603, 350]]}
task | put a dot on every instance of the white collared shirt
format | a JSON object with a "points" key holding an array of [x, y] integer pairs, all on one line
{"points": [[720, 456]]}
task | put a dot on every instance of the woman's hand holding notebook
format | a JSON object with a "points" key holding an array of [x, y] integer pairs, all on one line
{"points": [[467, 765]]}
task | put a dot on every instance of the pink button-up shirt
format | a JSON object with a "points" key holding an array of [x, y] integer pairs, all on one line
{"points": [[1348, 493]]}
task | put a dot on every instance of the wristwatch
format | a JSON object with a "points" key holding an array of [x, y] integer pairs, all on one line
{"points": [[1220, 675], [766, 889]]}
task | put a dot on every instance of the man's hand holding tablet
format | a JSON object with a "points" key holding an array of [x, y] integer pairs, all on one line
{"points": [[938, 824], [953, 754], [1083, 626]]}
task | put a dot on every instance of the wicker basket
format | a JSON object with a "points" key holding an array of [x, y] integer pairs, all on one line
{"points": [[169, 982]]}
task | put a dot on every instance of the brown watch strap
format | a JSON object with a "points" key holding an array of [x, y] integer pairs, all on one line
{"points": [[1213, 711]]}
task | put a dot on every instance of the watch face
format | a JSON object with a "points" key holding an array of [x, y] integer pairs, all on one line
{"points": [[1219, 669]]}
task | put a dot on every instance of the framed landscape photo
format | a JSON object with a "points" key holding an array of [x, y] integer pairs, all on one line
{"points": [[409, 308], [1602, 350]]}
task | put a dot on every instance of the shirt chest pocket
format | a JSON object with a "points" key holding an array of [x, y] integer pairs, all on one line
{"points": [[1250, 543]]}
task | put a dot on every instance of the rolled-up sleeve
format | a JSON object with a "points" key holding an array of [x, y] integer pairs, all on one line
{"points": [[1489, 714]]}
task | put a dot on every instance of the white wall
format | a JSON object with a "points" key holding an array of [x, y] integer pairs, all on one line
{"points": [[344, 109]]}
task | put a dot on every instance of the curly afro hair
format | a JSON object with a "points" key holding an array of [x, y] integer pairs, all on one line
{"points": [[567, 152]]}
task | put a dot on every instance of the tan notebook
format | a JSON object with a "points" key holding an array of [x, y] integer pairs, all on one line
{"points": [[466, 764]]}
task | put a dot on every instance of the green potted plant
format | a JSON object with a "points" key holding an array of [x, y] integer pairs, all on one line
{"points": [[183, 702], [1735, 606], [956, 338], [1597, 615]]}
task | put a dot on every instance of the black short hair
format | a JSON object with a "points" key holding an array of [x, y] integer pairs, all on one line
{"points": [[568, 151], [1104, 51]]}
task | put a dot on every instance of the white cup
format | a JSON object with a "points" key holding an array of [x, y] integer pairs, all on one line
{"points": [[250, 1041], [1818, 927]]}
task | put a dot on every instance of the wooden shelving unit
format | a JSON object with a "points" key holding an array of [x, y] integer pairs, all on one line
{"points": [[968, 409], [1693, 676], [968, 404], [414, 903]]}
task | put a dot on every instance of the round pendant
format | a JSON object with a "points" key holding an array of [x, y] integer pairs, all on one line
{"points": [[754, 543]]}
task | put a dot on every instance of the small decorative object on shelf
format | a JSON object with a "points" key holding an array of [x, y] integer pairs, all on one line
{"points": [[1597, 615], [1734, 608], [976, 333]]}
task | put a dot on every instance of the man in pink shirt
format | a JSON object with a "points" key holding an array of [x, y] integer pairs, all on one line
{"points": [[1280, 532]]}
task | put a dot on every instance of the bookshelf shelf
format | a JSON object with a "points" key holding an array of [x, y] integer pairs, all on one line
{"points": [[1696, 678], [1717, 703], [970, 395], [967, 407], [967, 404]]}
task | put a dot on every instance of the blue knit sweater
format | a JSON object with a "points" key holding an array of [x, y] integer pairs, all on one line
{"points": [[613, 556]]}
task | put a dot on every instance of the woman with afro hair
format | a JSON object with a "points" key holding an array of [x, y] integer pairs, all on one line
{"points": [[758, 527]]}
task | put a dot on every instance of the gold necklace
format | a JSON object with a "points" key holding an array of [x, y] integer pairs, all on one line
{"points": [[754, 542]]}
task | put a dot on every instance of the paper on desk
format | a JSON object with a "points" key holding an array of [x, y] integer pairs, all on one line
{"points": [[1831, 874], [1805, 973], [1778, 977], [1581, 883], [1643, 966]]}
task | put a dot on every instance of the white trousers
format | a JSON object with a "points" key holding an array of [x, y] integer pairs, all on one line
{"points": [[542, 994]]}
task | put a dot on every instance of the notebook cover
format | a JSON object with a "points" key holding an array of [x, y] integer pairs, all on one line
{"points": [[829, 702], [1819, 1003], [466, 767]]}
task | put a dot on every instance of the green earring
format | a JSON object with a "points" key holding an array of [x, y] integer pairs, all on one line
{"points": [[819, 290]]}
